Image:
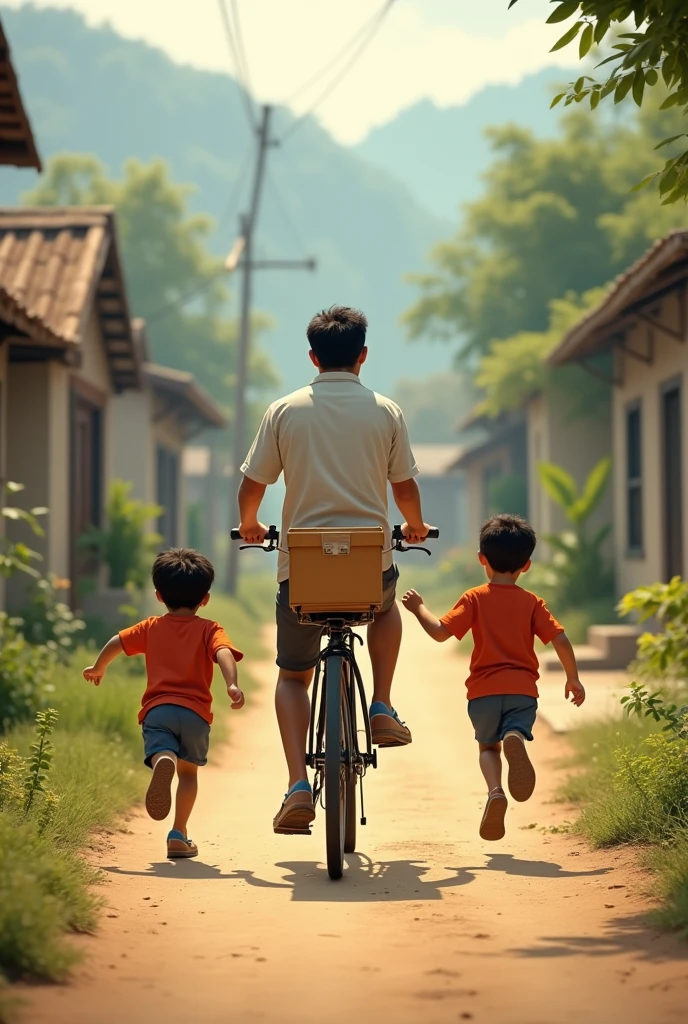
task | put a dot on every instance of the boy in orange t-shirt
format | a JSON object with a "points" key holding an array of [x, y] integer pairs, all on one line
{"points": [[502, 686], [181, 651]]}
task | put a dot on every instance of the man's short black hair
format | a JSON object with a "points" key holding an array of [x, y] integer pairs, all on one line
{"points": [[182, 577], [337, 337], [507, 542]]}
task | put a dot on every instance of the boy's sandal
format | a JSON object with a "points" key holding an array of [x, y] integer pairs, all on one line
{"points": [[521, 772], [492, 826], [179, 845], [159, 795]]}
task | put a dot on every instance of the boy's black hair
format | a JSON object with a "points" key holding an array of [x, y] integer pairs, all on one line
{"points": [[182, 577], [507, 542], [337, 337]]}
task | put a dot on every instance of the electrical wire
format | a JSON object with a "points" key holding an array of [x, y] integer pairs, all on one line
{"points": [[240, 45], [234, 49], [286, 215], [373, 28], [339, 55]]}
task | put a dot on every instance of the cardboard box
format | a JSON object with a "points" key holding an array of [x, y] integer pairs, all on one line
{"points": [[335, 570]]}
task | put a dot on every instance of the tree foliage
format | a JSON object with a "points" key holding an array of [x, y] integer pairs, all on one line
{"points": [[172, 280], [654, 55], [556, 216]]}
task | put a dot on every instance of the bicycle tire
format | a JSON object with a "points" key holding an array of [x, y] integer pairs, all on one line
{"points": [[335, 771], [349, 716]]}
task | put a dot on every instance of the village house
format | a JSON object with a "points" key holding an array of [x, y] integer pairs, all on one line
{"points": [[643, 323], [70, 359]]}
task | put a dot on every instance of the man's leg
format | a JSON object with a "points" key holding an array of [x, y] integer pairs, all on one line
{"points": [[384, 641], [293, 716]]}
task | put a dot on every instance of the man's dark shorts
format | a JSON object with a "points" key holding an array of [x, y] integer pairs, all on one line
{"points": [[494, 716], [178, 729], [298, 647]]}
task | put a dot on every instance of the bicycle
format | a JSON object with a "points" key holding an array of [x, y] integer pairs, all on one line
{"points": [[338, 699]]}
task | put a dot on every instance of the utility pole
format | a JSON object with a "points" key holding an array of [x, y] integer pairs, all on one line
{"points": [[244, 249]]}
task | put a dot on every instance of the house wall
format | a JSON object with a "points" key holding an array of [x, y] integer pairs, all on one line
{"points": [[477, 472], [95, 371], [133, 446], [167, 433], [3, 443], [577, 445], [640, 381]]}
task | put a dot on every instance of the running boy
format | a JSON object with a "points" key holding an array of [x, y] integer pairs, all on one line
{"points": [[181, 650], [502, 685]]}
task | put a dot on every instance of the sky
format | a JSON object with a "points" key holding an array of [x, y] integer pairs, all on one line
{"points": [[444, 50]]}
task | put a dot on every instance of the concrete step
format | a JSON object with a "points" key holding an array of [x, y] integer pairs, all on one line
{"points": [[618, 644], [589, 659]]}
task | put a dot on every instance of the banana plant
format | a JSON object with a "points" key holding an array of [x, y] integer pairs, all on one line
{"points": [[579, 569], [15, 556]]}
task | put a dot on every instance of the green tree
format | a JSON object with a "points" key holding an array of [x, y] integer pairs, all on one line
{"points": [[555, 217], [167, 265], [656, 54]]}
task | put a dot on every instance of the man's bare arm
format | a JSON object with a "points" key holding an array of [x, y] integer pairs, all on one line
{"points": [[251, 494], [407, 498]]}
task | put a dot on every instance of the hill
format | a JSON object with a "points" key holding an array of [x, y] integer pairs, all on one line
{"points": [[440, 153], [90, 90]]}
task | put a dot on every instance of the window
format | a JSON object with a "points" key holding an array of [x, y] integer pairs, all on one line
{"points": [[634, 478], [672, 467], [168, 495]]}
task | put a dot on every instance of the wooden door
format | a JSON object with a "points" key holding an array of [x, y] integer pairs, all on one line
{"points": [[672, 459], [86, 484]]}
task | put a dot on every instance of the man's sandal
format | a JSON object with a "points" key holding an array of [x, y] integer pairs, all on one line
{"points": [[179, 845], [159, 795], [387, 728], [492, 826], [297, 812], [521, 772]]}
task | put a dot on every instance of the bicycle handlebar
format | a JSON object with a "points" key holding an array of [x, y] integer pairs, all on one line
{"points": [[272, 537]]}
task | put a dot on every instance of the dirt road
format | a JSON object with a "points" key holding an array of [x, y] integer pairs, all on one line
{"points": [[429, 925]]}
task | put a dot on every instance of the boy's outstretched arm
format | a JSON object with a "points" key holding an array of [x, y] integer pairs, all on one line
{"points": [[413, 603], [95, 672], [574, 687], [228, 667]]}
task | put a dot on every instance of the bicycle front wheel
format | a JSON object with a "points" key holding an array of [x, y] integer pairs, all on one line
{"points": [[335, 765]]}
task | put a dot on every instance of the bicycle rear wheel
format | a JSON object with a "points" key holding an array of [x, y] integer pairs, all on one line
{"points": [[335, 767]]}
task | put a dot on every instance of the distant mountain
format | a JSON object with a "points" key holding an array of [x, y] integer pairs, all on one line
{"points": [[440, 153], [91, 90]]}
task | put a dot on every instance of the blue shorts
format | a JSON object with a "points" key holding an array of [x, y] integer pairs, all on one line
{"points": [[496, 715], [177, 729]]}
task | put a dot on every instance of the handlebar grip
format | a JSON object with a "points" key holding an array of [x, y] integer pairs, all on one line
{"points": [[272, 534], [235, 535], [433, 534], [398, 535]]}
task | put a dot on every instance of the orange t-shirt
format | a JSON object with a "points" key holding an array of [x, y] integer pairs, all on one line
{"points": [[504, 620], [181, 652]]}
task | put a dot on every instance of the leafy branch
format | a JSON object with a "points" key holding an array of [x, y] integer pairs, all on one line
{"points": [[16, 556], [40, 759], [644, 704], [656, 53]]}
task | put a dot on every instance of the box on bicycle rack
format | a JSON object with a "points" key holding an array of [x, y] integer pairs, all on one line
{"points": [[335, 570]]}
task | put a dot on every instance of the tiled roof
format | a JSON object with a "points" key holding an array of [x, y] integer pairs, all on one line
{"points": [[58, 264], [661, 266], [17, 146], [197, 408]]}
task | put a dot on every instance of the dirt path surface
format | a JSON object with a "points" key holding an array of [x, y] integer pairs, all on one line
{"points": [[429, 925]]}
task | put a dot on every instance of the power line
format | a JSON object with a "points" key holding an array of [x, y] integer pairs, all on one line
{"points": [[339, 55], [240, 45], [235, 53], [286, 215], [373, 29]]}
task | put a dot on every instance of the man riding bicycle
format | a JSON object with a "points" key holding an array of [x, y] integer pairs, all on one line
{"points": [[338, 444]]}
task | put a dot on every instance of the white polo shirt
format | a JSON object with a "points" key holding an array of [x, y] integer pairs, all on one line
{"points": [[337, 443]]}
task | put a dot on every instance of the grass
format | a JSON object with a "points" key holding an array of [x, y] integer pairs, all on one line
{"points": [[631, 783], [45, 885]]}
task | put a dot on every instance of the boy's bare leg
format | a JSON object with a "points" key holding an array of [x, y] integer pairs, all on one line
{"points": [[384, 641], [293, 716], [187, 791], [491, 765]]}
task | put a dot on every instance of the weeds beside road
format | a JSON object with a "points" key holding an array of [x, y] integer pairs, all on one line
{"points": [[46, 888]]}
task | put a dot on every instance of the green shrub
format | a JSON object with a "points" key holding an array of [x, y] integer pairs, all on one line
{"points": [[665, 654], [125, 545], [658, 774], [47, 620], [16, 556], [25, 672]]}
